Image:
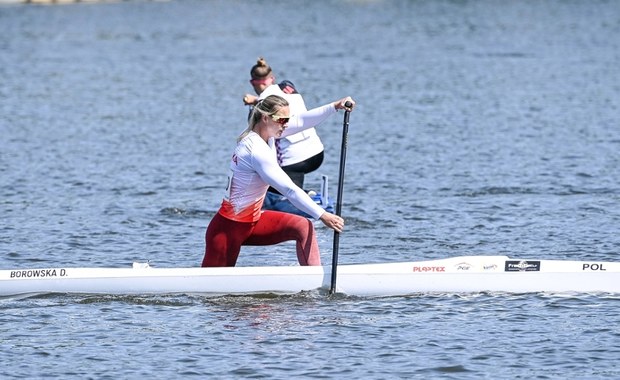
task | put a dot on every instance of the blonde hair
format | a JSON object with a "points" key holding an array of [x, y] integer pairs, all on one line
{"points": [[268, 106], [261, 69]]}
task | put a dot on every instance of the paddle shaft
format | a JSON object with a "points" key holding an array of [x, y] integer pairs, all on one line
{"points": [[343, 157]]}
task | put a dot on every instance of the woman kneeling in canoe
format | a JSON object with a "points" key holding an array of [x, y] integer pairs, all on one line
{"points": [[253, 168]]}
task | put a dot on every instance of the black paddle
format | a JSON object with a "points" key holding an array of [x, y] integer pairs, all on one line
{"points": [[343, 157]]}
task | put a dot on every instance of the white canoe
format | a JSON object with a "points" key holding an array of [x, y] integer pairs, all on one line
{"points": [[465, 274]]}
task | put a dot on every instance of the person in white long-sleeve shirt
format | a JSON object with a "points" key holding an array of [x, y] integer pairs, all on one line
{"points": [[253, 168]]}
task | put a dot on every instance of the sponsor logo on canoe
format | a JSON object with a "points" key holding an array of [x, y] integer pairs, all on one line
{"points": [[489, 267], [38, 273], [522, 266], [463, 266], [593, 266], [428, 269]]}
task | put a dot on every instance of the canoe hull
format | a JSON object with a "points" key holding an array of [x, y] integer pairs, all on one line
{"points": [[465, 274]]}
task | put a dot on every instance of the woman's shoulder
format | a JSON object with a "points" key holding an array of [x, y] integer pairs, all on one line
{"points": [[253, 143], [274, 89], [286, 87]]}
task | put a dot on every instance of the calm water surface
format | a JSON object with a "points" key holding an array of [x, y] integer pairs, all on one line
{"points": [[482, 127]]}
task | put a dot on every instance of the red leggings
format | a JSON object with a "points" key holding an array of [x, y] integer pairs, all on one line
{"points": [[225, 237]]}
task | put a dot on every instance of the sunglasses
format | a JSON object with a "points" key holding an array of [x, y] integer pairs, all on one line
{"points": [[280, 119], [261, 81]]}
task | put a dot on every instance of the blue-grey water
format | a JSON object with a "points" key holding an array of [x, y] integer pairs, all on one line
{"points": [[482, 127]]}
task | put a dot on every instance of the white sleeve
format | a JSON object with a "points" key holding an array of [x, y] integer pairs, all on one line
{"points": [[269, 170], [308, 119]]}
